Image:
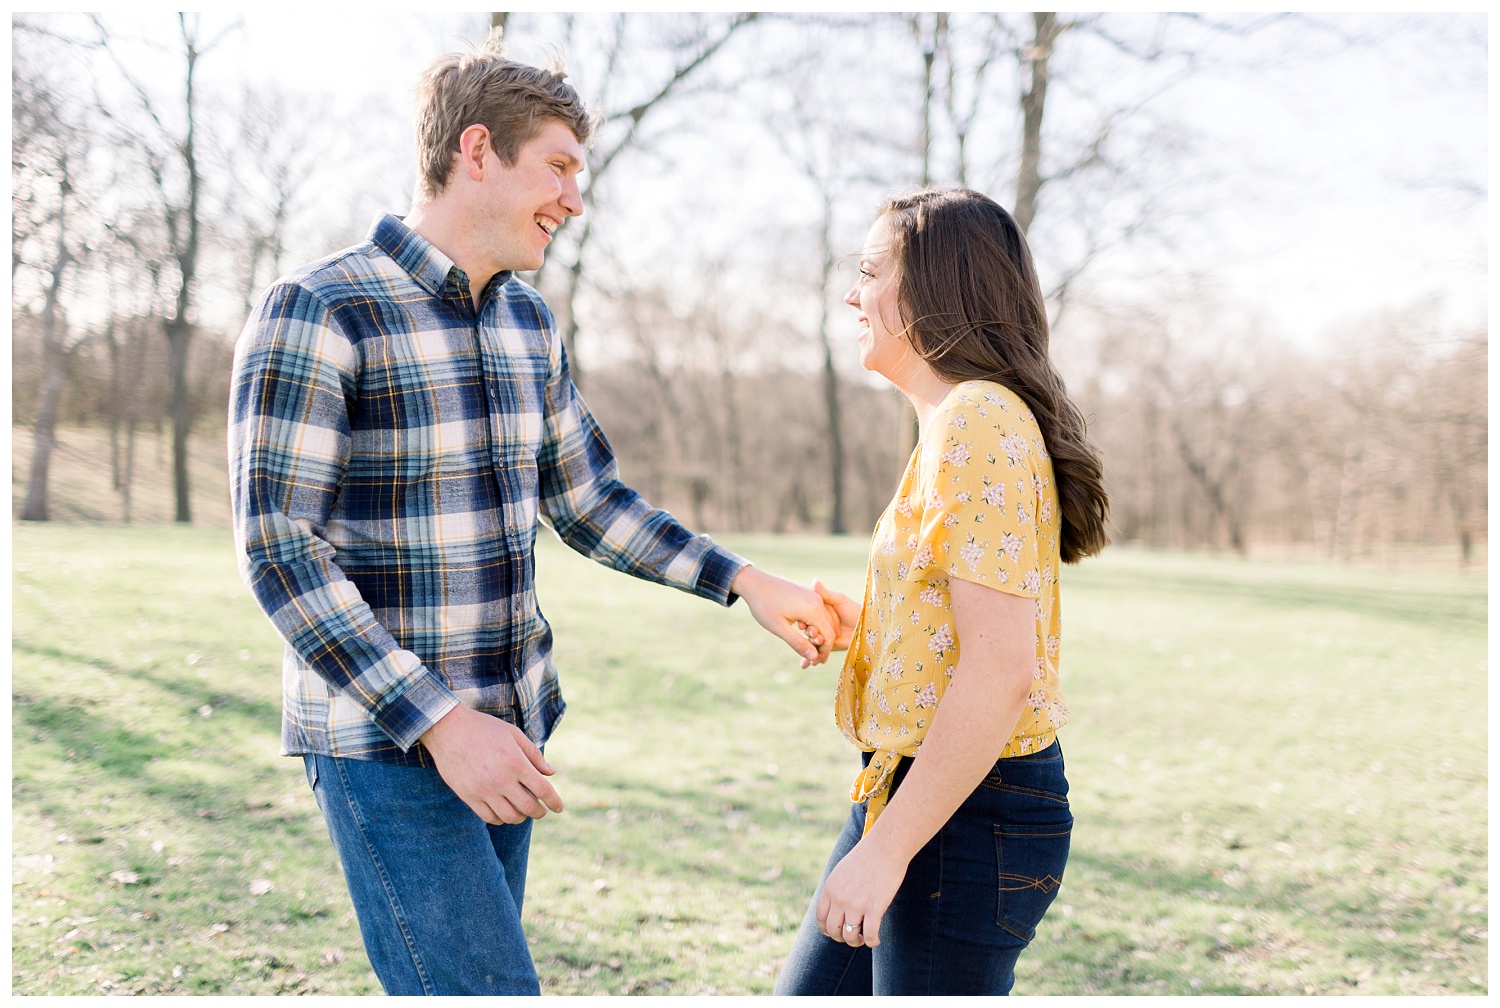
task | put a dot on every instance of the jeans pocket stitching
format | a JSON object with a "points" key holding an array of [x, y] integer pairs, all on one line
{"points": [[1045, 884], [1048, 885], [995, 784], [1037, 832]]}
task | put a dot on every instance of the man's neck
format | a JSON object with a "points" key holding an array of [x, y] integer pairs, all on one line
{"points": [[446, 226]]}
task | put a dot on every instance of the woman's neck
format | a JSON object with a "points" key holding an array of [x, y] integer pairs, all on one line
{"points": [[924, 389]]}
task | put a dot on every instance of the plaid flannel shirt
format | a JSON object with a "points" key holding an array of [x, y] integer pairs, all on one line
{"points": [[389, 449]]}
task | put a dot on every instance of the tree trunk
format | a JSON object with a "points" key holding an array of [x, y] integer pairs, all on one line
{"points": [[54, 358], [44, 438], [740, 517], [1033, 105], [929, 57], [1216, 491], [570, 304], [179, 329], [127, 476], [836, 522], [178, 337]]}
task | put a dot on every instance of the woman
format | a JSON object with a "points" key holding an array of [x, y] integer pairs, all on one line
{"points": [[950, 858]]}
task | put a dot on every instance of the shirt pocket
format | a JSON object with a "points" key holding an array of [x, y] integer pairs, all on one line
{"points": [[516, 393]]}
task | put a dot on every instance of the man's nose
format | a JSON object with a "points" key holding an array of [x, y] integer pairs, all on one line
{"points": [[571, 199]]}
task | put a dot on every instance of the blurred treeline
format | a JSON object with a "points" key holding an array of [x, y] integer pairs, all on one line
{"points": [[150, 208]]}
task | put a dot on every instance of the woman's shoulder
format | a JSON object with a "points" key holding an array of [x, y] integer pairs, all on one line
{"points": [[990, 403]]}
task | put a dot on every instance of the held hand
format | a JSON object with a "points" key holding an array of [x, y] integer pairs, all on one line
{"points": [[857, 893], [844, 612], [492, 766], [790, 611]]}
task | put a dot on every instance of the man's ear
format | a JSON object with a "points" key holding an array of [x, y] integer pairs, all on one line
{"points": [[473, 146]]}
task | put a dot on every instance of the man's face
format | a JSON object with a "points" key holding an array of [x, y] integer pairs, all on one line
{"points": [[523, 204]]}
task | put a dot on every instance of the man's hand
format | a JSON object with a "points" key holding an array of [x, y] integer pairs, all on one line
{"points": [[844, 612], [790, 611], [858, 892], [492, 766]]}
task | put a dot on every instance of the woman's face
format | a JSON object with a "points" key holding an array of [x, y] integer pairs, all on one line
{"points": [[883, 346]]}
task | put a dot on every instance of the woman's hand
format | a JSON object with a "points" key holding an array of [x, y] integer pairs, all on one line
{"points": [[843, 613], [792, 612], [857, 893]]}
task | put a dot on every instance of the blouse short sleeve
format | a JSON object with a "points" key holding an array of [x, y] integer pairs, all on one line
{"points": [[985, 495]]}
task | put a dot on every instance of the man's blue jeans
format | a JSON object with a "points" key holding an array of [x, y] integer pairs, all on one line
{"points": [[971, 900], [436, 889]]}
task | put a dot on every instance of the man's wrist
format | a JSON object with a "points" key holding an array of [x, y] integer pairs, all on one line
{"points": [[745, 580], [446, 720]]}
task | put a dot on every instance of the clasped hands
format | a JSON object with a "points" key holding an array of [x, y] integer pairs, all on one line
{"points": [[813, 621]]}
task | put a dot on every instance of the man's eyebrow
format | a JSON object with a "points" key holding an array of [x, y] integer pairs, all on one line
{"points": [[569, 158]]}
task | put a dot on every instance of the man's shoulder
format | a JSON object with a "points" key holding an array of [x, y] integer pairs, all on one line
{"points": [[526, 302], [358, 271]]}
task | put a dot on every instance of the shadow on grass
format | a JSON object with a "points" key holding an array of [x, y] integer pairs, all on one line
{"points": [[97, 743], [266, 716], [89, 729], [1352, 924]]}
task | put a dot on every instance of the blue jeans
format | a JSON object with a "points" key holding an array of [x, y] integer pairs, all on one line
{"points": [[437, 890], [971, 899]]}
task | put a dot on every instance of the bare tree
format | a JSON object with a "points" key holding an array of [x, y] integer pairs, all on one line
{"points": [[172, 156], [282, 140], [931, 34], [622, 120], [50, 233], [818, 148]]}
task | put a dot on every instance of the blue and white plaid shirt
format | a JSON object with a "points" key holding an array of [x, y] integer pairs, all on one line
{"points": [[388, 450]]}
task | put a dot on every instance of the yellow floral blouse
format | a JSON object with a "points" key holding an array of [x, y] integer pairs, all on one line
{"points": [[977, 502]]}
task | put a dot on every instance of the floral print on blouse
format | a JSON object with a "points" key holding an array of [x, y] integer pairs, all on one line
{"points": [[977, 502]]}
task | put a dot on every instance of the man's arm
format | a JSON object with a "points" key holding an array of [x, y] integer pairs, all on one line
{"points": [[602, 518], [294, 370]]}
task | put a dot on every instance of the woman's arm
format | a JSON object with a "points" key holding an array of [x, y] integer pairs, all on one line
{"points": [[972, 724]]}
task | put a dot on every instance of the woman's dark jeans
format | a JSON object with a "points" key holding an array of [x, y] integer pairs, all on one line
{"points": [[971, 900]]}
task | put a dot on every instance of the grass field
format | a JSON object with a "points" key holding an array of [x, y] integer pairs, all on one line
{"points": [[1279, 781]]}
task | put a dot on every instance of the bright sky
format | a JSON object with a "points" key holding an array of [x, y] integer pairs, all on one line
{"points": [[1333, 187]]}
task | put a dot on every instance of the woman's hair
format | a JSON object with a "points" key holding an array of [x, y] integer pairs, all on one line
{"points": [[973, 309]]}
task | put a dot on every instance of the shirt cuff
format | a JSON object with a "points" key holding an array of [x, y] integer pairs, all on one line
{"points": [[720, 567], [420, 706]]}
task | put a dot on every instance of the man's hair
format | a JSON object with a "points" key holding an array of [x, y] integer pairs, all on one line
{"points": [[512, 100]]}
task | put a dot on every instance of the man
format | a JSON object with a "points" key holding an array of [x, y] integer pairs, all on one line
{"points": [[401, 416]]}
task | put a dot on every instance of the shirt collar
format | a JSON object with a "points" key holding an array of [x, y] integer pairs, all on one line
{"points": [[430, 268]]}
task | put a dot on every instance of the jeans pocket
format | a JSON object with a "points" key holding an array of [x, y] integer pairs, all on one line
{"points": [[1031, 860], [310, 767]]}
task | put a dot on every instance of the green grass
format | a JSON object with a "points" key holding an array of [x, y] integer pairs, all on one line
{"points": [[1278, 777]]}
